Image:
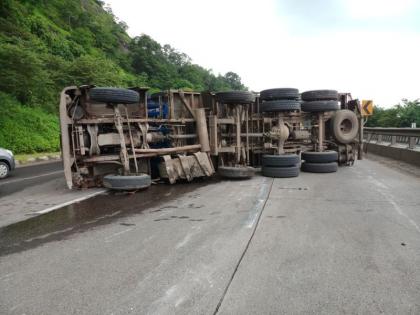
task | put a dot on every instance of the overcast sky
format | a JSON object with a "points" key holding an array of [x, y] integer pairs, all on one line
{"points": [[370, 48]]}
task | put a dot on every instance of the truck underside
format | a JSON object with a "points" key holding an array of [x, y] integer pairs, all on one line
{"points": [[109, 134]]}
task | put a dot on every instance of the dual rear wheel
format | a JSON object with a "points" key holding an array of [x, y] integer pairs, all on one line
{"points": [[280, 166], [320, 162]]}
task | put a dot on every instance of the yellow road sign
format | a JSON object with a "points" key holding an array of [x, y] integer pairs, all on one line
{"points": [[367, 107]]}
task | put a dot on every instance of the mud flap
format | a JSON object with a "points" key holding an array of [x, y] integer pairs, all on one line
{"points": [[186, 167]]}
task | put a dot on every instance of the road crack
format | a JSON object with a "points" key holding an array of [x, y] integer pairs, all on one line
{"points": [[269, 188]]}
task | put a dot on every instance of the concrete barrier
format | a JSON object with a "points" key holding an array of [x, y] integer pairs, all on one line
{"points": [[401, 144], [401, 154]]}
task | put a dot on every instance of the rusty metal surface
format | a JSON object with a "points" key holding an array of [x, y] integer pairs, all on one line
{"points": [[122, 139], [123, 136]]}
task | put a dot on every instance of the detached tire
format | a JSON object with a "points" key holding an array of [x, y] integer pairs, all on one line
{"points": [[322, 95], [236, 172], [345, 126], [279, 94], [320, 167], [280, 172], [280, 160], [320, 106], [129, 182], [235, 97], [114, 95], [280, 106], [320, 157]]}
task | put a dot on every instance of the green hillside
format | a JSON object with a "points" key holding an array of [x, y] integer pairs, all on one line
{"points": [[48, 44]]}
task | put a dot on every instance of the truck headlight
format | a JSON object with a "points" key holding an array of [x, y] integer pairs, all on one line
{"points": [[10, 152]]}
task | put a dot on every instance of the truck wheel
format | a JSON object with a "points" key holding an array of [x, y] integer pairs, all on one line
{"points": [[232, 172], [280, 172], [113, 95], [4, 170], [129, 182], [280, 106], [280, 160], [279, 94], [320, 167], [317, 95], [345, 126], [320, 157], [235, 97], [320, 106]]}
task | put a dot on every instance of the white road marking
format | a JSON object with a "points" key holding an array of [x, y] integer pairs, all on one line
{"points": [[400, 212], [48, 235], [188, 237], [184, 241], [388, 197], [26, 178], [107, 239], [7, 276], [70, 202]]}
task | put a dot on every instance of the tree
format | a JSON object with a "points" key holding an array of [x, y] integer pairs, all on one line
{"points": [[22, 74], [398, 116], [234, 81], [409, 113], [94, 70]]}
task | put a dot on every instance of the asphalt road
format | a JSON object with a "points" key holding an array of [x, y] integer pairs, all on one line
{"points": [[347, 242], [26, 176], [34, 190]]}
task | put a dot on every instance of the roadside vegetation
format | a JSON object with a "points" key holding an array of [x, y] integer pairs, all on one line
{"points": [[25, 129], [47, 45], [398, 116]]}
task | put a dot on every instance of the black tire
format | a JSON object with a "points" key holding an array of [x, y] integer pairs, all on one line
{"points": [[320, 157], [280, 172], [320, 95], [280, 160], [129, 182], [235, 97], [345, 126], [114, 95], [280, 106], [279, 94], [320, 106], [320, 167], [4, 170], [232, 172]]}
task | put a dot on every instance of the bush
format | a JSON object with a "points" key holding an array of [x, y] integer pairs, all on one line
{"points": [[22, 74], [26, 129]]}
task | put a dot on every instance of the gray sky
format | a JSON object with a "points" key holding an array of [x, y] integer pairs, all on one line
{"points": [[370, 48]]}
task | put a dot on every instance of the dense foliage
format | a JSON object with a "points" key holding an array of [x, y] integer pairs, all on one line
{"points": [[401, 115], [25, 130], [47, 45]]}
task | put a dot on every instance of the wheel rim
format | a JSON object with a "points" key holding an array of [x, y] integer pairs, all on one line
{"points": [[3, 170], [346, 126]]}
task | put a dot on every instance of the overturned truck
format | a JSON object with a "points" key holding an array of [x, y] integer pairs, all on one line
{"points": [[124, 138]]}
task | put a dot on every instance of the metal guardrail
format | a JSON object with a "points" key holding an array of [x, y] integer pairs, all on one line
{"points": [[406, 137]]}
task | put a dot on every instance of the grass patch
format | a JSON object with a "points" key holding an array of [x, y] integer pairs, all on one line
{"points": [[26, 129]]}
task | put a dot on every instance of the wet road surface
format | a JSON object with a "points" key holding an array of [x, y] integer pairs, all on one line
{"points": [[80, 217], [37, 189], [26, 176], [333, 243]]}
